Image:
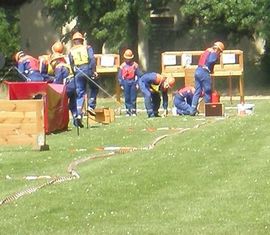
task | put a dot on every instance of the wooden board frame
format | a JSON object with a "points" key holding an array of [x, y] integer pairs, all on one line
{"points": [[22, 123], [231, 65]]}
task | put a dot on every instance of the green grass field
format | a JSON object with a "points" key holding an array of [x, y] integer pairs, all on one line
{"points": [[214, 178]]}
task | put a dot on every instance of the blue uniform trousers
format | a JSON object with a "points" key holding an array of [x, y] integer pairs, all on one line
{"points": [[71, 94], [202, 83], [130, 93], [93, 92], [182, 106]]}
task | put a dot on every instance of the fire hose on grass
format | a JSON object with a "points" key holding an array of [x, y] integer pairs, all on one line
{"points": [[72, 167]]}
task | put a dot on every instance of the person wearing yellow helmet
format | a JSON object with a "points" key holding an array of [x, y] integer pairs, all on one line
{"points": [[63, 75], [128, 76], [153, 85], [83, 63], [203, 82]]}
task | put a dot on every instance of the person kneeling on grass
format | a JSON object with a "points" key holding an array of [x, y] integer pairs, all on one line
{"points": [[152, 85], [183, 100]]}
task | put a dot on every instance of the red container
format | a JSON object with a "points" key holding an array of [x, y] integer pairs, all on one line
{"points": [[215, 97]]}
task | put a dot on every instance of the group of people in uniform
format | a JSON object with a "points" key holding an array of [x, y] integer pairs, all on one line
{"points": [[154, 85], [77, 71]]}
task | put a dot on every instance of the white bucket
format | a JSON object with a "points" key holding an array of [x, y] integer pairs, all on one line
{"points": [[245, 109]]}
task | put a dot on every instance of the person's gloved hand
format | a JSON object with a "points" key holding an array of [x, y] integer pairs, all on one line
{"points": [[165, 113], [95, 75]]}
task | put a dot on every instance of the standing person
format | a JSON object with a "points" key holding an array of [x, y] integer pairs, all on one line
{"points": [[183, 100], [28, 67], [63, 75], [205, 67], [83, 64], [151, 85], [128, 76]]}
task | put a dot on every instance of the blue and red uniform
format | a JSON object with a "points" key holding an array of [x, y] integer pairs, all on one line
{"points": [[63, 75], [202, 76], [44, 67], [83, 62], [183, 100], [28, 66], [128, 76], [151, 87]]}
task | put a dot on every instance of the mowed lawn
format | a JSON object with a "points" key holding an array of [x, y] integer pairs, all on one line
{"points": [[206, 176]]}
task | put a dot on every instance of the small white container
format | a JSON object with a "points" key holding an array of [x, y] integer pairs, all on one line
{"points": [[245, 109]]}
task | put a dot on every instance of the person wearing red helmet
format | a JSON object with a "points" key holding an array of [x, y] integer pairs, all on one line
{"points": [[28, 67], [203, 80], [128, 76], [83, 64], [152, 85], [58, 47]]}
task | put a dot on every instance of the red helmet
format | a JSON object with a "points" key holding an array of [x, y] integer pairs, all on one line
{"points": [[58, 47], [128, 54], [219, 45], [77, 35]]}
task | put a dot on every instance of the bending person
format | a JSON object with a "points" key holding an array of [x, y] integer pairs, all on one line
{"points": [[153, 85]]}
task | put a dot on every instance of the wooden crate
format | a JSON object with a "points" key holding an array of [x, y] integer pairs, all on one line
{"points": [[22, 123], [214, 109], [103, 115]]}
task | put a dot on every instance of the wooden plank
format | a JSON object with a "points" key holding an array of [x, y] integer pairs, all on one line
{"points": [[18, 129], [22, 123], [106, 69], [22, 139], [18, 105]]}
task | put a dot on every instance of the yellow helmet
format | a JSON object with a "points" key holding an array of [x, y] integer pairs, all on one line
{"points": [[58, 47], [18, 55], [56, 56], [219, 45], [77, 35], [128, 54]]}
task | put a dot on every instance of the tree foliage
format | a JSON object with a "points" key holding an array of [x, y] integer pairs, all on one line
{"points": [[232, 19], [114, 22], [9, 28]]}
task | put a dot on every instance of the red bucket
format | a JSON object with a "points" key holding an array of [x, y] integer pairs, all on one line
{"points": [[215, 97]]}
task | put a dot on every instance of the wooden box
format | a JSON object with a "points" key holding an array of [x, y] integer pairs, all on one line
{"points": [[103, 115], [214, 109]]}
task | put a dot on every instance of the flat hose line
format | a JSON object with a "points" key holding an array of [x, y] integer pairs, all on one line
{"points": [[73, 174]]}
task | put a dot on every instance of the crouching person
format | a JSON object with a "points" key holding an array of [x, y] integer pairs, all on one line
{"points": [[63, 75], [152, 86], [183, 100], [28, 67]]}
